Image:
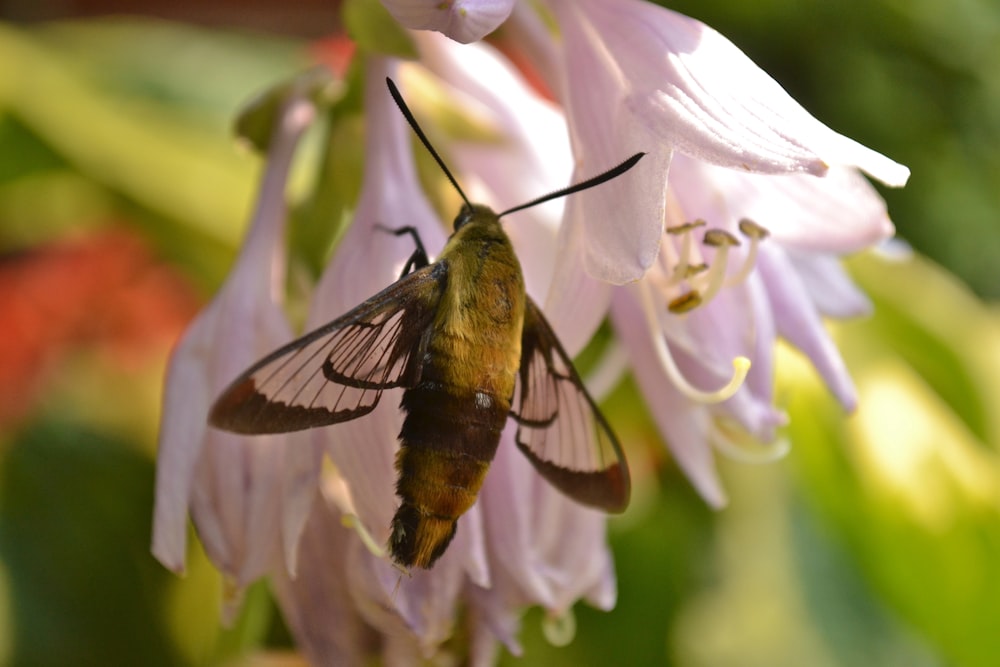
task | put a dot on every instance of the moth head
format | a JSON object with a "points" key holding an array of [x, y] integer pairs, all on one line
{"points": [[473, 212]]}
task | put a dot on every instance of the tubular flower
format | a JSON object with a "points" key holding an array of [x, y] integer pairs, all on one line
{"points": [[723, 238], [464, 21], [724, 287], [230, 483], [540, 549]]}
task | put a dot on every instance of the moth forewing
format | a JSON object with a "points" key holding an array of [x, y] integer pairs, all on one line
{"points": [[469, 350], [337, 372]]}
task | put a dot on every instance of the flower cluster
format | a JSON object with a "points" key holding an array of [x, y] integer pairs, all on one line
{"points": [[723, 239]]}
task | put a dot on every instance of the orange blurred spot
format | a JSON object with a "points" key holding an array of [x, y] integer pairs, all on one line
{"points": [[520, 60], [105, 291], [335, 51]]}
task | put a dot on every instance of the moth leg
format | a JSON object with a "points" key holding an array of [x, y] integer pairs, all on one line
{"points": [[418, 259]]}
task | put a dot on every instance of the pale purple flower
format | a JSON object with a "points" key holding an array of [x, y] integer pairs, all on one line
{"points": [[512, 549], [463, 20], [763, 294], [697, 294], [232, 485], [724, 143]]}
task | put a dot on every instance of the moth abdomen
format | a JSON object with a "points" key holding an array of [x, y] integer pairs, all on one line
{"points": [[447, 443]]}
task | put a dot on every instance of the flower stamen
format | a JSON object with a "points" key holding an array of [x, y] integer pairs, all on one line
{"points": [[686, 232], [756, 234], [741, 365], [738, 445], [337, 493], [353, 522], [685, 303], [559, 629], [722, 241]]}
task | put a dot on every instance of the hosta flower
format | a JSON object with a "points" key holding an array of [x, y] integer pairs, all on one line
{"points": [[722, 239], [523, 543], [708, 301], [725, 144], [463, 20], [232, 485]]}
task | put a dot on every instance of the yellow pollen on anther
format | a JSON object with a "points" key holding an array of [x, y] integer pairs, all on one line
{"points": [[681, 270], [684, 303], [678, 230], [752, 230], [720, 238], [695, 269], [716, 276]]}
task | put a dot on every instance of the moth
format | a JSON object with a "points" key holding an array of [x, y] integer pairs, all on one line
{"points": [[470, 350]]}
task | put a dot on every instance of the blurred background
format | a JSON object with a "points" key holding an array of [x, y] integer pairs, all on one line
{"points": [[876, 541]]}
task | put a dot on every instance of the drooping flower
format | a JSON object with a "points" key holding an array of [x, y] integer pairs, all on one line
{"points": [[232, 485], [723, 239], [464, 21], [511, 550]]}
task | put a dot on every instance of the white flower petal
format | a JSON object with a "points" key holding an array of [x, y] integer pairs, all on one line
{"points": [[417, 608], [684, 424], [544, 548], [830, 288], [622, 219], [495, 617], [697, 92], [760, 379], [302, 464], [185, 408], [577, 303], [840, 212], [798, 321], [704, 343], [316, 605], [227, 479], [462, 20]]}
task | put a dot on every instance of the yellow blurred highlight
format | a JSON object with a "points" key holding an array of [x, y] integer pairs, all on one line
{"points": [[911, 445], [756, 614], [194, 607], [559, 629]]}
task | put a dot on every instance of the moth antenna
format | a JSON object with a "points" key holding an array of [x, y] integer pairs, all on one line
{"points": [[423, 137], [614, 172]]}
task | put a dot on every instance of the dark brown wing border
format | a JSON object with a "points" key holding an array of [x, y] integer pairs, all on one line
{"points": [[560, 428], [337, 372]]}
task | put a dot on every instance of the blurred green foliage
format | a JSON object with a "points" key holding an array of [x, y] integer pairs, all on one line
{"points": [[876, 542]]}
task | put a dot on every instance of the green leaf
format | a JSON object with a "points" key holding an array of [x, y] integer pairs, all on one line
{"points": [[909, 483], [75, 511]]}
